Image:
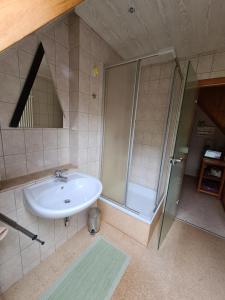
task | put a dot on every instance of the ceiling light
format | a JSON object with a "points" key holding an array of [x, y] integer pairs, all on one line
{"points": [[131, 10]]}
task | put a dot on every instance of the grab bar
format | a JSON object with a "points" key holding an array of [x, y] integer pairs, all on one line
{"points": [[15, 225]]}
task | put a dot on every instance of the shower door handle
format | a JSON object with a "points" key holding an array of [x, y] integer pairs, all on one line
{"points": [[174, 161]]}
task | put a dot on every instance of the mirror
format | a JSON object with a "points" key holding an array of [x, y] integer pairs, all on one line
{"points": [[38, 105]]}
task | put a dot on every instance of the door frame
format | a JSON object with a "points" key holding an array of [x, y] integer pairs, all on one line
{"points": [[209, 82]]}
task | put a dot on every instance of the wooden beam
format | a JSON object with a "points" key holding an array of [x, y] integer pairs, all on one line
{"points": [[211, 82], [20, 18]]}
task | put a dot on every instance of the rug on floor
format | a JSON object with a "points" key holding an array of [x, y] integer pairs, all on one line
{"points": [[93, 276]]}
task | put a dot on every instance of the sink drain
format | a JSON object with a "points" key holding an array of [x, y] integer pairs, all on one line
{"points": [[67, 201]]}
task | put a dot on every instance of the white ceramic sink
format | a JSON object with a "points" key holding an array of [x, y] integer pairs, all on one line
{"points": [[54, 199]]}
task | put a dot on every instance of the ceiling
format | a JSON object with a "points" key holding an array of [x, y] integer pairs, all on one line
{"points": [[190, 26]]}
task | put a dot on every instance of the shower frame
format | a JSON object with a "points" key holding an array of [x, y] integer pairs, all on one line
{"points": [[133, 118]]}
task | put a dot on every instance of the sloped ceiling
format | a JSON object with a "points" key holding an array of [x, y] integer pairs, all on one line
{"points": [[190, 26]]}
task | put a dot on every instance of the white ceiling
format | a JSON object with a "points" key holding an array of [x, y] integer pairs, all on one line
{"points": [[190, 26]]}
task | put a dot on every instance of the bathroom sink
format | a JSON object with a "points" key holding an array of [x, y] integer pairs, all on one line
{"points": [[54, 199]]}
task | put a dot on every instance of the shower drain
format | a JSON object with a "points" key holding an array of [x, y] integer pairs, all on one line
{"points": [[67, 201]]}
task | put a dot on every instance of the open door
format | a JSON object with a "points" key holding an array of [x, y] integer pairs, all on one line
{"points": [[180, 152]]}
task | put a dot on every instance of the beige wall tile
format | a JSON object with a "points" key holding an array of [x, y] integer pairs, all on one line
{"points": [[50, 139], [93, 154], [46, 229], [35, 161], [73, 226], [84, 83], [218, 62], [7, 202], [10, 244], [63, 138], [83, 103], [85, 62], [61, 34], [26, 241], [33, 140], [63, 156], [15, 165], [50, 158], [30, 257], [85, 36], [25, 217], [155, 72], [93, 122], [149, 131], [82, 219], [94, 169], [205, 64], [166, 71], [9, 62], [9, 92], [82, 156], [29, 44], [83, 139], [60, 232], [62, 66], [74, 101], [73, 138], [10, 272], [13, 142], [47, 249], [19, 197], [82, 121]]}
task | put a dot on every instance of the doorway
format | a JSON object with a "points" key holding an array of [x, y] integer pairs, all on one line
{"points": [[202, 194]]}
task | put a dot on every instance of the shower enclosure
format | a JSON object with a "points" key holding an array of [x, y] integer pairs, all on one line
{"points": [[140, 98]]}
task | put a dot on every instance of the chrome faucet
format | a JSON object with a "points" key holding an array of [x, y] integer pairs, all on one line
{"points": [[59, 175]]}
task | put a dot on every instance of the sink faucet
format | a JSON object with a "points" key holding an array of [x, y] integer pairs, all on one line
{"points": [[59, 175]]}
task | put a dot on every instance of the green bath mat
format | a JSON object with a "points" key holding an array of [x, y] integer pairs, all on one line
{"points": [[93, 276]]}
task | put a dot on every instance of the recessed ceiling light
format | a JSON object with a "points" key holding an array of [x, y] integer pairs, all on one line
{"points": [[131, 10]]}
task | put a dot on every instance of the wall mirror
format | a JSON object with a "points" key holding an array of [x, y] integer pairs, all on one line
{"points": [[38, 105]]}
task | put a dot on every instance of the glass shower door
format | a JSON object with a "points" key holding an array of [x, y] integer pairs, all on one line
{"points": [[180, 152], [119, 103]]}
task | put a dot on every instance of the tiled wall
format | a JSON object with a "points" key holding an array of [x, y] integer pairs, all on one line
{"points": [[31, 150], [26, 151], [18, 253], [148, 133], [87, 50], [208, 65], [72, 49], [153, 104]]}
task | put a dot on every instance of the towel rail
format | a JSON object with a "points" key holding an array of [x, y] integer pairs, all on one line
{"points": [[25, 231]]}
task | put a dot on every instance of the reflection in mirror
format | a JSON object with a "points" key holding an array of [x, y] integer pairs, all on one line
{"points": [[38, 105]]}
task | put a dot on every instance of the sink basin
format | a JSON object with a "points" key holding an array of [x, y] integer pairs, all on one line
{"points": [[54, 199]]}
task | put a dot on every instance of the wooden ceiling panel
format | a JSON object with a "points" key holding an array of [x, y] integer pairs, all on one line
{"points": [[20, 18], [190, 26]]}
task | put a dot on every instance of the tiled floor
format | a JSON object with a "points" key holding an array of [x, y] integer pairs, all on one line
{"points": [[189, 265], [201, 209]]}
